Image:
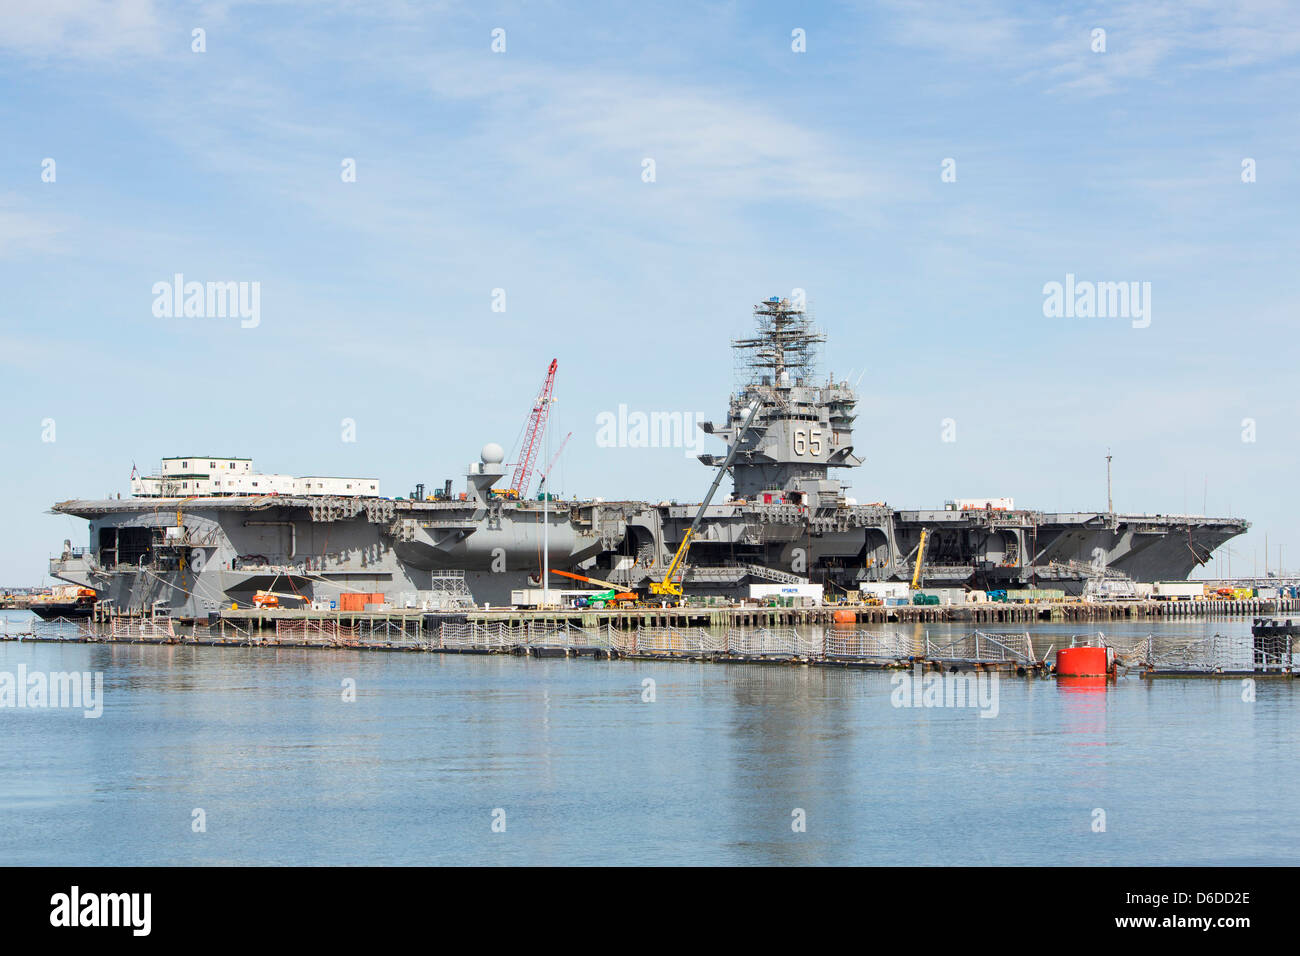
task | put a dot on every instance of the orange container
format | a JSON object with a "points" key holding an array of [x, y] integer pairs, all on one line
{"points": [[358, 601], [1081, 662]]}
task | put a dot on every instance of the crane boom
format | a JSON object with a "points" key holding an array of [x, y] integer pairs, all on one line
{"points": [[272, 598], [586, 580], [668, 585], [616, 593], [532, 435], [554, 458], [920, 559]]}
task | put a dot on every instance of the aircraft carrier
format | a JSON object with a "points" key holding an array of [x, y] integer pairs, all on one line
{"points": [[210, 533]]}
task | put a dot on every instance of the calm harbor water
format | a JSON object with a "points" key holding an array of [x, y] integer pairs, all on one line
{"points": [[586, 771]]}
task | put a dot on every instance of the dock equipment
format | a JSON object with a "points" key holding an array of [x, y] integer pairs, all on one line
{"points": [[668, 586], [618, 594], [272, 598]]}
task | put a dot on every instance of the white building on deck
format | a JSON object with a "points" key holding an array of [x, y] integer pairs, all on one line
{"points": [[203, 476]]}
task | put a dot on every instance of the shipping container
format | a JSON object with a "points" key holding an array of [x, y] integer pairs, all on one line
{"points": [[944, 595], [884, 589], [563, 597], [357, 601], [1035, 595], [813, 591], [1178, 590]]}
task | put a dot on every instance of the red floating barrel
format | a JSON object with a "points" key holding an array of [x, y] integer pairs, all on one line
{"points": [[846, 617], [1081, 662]]}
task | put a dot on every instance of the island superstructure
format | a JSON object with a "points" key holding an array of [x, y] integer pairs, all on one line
{"points": [[207, 533]]}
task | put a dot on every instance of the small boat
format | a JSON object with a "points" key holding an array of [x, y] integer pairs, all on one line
{"points": [[67, 600]]}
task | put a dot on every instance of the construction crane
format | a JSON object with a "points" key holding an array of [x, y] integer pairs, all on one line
{"points": [[587, 580], [272, 598], [616, 592], [541, 485], [668, 586], [920, 559], [533, 434]]}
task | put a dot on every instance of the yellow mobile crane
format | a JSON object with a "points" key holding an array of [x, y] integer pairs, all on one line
{"points": [[920, 559], [674, 588]]}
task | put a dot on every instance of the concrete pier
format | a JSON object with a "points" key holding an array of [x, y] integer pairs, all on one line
{"points": [[769, 617]]}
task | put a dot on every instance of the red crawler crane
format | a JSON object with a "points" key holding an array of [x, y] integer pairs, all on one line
{"points": [[533, 435]]}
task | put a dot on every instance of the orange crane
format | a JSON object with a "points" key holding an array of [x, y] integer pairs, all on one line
{"points": [[272, 598], [618, 595]]}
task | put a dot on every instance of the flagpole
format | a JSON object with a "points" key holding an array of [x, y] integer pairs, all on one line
{"points": [[546, 530]]}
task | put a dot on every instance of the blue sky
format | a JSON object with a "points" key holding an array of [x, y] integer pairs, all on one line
{"points": [[775, 170]]}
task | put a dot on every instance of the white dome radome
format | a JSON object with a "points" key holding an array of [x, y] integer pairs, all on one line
{"points": [[492, 454]]}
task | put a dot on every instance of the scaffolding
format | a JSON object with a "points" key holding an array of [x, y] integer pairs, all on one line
{"points": [[448, 591], [786, 342]]}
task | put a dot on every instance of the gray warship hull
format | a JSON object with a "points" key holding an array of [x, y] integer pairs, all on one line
{"points": [[232, 548], [787, 520]]}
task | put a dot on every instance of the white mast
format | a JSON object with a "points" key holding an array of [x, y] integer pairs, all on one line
{"points": [[546, 529]]}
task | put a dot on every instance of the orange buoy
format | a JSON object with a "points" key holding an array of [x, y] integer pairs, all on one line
{"points": [[1081, 662], [846, 617]]}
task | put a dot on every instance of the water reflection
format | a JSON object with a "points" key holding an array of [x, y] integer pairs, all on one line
{"points": [[589, 771]]}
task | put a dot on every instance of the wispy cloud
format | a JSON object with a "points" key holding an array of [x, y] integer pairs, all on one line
{"points": [[1144, 40], [92, 29], [23, 232]]}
